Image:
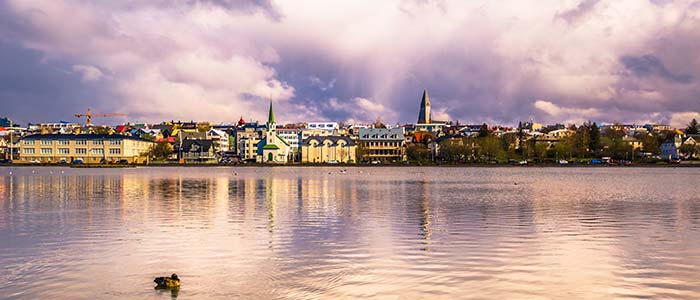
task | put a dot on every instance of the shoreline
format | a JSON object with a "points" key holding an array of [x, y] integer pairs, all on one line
{"points": [[85, 166]]}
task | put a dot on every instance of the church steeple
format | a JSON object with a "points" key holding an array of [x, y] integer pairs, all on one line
{"points": [[424, 116], [271, 115]]}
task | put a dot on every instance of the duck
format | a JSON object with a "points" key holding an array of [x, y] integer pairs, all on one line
{"points": [[167, 282]]}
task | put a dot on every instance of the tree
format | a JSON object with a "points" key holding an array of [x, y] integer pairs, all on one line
{"points": [[378, 123], [484, 131], [490, 148], [594, 132], [418, 152], [160, 151], [693, 127], [454, 150], [650, 143]]}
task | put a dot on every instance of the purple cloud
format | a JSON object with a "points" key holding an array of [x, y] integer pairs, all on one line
{"points": [[481, 61]]}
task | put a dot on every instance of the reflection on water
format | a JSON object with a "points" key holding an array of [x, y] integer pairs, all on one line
{"points": [[382, 233]]}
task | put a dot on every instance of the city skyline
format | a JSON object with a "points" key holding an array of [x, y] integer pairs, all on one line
{"points": [[554, 62]]}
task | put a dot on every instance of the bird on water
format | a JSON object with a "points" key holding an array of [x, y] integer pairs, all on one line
{"points": [[167, 282]]}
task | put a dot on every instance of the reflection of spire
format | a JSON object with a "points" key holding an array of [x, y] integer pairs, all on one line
{"points": [[269, 186], [426, 218]]}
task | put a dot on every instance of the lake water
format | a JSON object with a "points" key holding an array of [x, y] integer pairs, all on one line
{"points": [[378, 233]]}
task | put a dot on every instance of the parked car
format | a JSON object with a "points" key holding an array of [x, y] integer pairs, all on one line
{"points": [[77, 162], [523, 163], [563, 162], [123, 162], [34, 161], [333, 161], [596, 162], [5, 161]]}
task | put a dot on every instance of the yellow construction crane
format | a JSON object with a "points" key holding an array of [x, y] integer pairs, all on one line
{"points": [[89, 116]]}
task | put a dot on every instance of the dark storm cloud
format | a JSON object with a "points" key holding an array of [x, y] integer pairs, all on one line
{"points": [[650, 65], [34, 90]]}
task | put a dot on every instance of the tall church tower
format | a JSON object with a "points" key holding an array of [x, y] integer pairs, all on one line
{"points": [[424, 116], [271, 126]]}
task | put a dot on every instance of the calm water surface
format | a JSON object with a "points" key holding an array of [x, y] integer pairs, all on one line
{"points": [[379, 233]]}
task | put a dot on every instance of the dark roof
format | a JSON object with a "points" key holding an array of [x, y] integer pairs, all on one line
{"points": [[87, 136], [205, 145], [332, 138]]}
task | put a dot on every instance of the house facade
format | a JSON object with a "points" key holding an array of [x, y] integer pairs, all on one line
{"points": [[197, 151], [325, 149], [88, 148], [382, 144]]}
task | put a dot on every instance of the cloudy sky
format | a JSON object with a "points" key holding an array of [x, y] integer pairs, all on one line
{"points": [[351, 60]]}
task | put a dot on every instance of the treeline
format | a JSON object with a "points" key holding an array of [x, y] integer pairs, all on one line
{"points": [[584, 142]]}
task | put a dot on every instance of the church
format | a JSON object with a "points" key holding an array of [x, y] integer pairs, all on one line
{"points": [[425, 118], [272, 149]]}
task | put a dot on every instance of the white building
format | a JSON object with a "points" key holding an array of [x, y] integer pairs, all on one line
{"points": [[273, 149], [330, 126], [220, 139]]}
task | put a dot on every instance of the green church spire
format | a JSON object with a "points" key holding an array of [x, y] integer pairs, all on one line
{"points": [[271, 115]]}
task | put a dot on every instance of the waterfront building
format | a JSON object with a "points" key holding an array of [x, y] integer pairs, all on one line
{"points": [[382, 144], [220, 139], [88, 148], [328, 149], [292, 137], [670, 147], [197, 151], [634, 142], [248, 148], [273, 149]]}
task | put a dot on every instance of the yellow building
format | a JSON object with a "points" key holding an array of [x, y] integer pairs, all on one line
{"points": [[328, 149], [88, 148]]}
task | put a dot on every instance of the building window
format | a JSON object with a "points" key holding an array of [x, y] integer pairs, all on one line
{"points": [[45, 150], [28, 142], [80, 151], [115, 142], [98, 151], [63, 151], [81, 142], [63, 142], [46, 142], [97, 142], [28, 150], [115, 151]]}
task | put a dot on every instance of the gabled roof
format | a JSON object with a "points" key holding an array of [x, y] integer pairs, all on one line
{"points": [[197, 145]]}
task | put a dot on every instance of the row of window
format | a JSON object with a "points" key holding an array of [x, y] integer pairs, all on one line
{"points": [[383, 144], [77, 151], [77, 142]]}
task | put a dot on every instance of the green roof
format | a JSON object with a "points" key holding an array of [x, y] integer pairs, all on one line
{"points": [[271, 146], [271, 115]]}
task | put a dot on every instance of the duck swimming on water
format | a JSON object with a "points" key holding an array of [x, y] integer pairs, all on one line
{"points": [[167, 282]]}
